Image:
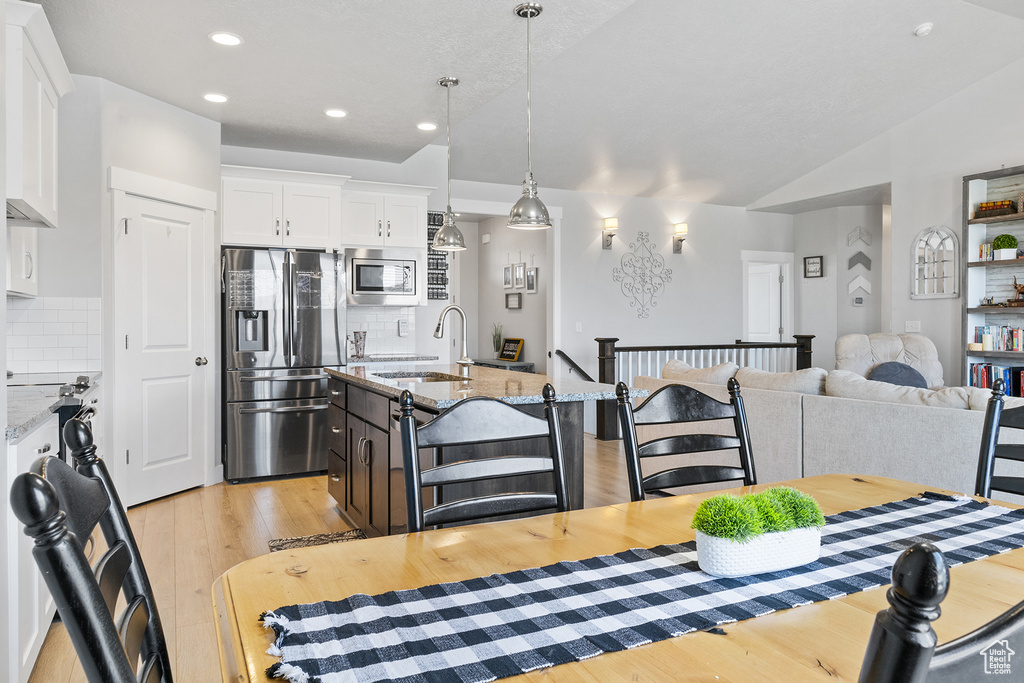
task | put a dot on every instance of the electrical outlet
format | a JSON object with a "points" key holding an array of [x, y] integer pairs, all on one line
{"points": [[403, 328], [913, 326]]}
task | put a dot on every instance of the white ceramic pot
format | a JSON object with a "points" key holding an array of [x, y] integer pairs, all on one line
{"points": [[1005, 254], [770, 552]]}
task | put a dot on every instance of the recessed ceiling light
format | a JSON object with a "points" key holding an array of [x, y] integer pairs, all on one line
{"points": [[924, 29], [336, 113], [427, 126], [215, 97], [225, 38]]}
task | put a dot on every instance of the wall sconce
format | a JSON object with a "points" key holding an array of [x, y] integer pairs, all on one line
{"points": [[677, 240], [610, 226]]}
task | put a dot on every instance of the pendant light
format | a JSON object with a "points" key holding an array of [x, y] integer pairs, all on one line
{"points": [[529, 213], [449, 237]]}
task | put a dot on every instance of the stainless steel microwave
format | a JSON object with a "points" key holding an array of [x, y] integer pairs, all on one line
{"points": [[386, 277]]}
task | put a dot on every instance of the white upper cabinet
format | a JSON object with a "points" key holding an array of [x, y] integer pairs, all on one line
{"points": [[36, 78], [395, 216], [263, 207], [22, 247]]}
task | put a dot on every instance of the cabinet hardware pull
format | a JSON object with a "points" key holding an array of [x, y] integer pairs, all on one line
{"points": [[335, 477], [296, 409], [29, 265], [335, 393], [201, 361], [335, 430], [389, 228], [277, 225], [380, 228], [288, 226], [44, 449]]}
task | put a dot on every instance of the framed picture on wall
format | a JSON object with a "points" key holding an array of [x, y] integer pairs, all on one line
{"points": [[519, 275], [531, 280], [814, 266], [514, 301], [507, 277]]}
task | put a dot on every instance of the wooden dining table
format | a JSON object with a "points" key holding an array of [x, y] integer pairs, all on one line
{"points": [[823, 641]]}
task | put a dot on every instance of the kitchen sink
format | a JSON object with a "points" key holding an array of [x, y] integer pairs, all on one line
{"points": [[421, 376]]}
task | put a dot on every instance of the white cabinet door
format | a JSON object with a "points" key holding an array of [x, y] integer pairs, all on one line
{"points": [[362, 219], [22, 248], [31, 129], [252, 212], [405, 220], [312, 216], [32, 607]]}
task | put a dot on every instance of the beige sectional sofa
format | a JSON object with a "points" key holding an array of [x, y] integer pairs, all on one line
{"points": [[817, 422]]}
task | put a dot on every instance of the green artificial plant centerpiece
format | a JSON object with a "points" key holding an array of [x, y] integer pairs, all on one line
{"points": [[1004, 241], [496, 336], [743, 518]]}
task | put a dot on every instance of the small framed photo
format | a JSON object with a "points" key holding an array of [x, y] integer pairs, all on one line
{"points": [[514, 300], [814, 266], [531, 280], [519, 275], [510, 349], [507, 277]]}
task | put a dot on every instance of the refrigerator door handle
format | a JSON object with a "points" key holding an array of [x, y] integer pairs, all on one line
{"points": [[287, 275], [283, 378], [295, 409]]}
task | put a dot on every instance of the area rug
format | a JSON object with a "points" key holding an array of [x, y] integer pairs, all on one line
{"points": [[316, 539]]}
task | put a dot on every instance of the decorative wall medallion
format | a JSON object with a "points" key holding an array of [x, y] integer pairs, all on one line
{"points": [[859, 258], [643, 275], [859, 233]]}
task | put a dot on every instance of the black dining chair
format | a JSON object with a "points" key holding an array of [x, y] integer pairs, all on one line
{"points": [[60, 507], [903, 647], [481, 423], [997, 418], [679, 403]]}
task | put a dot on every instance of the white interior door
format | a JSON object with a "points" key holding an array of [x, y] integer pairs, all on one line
{"points": [[161, 384], [764, 302]]}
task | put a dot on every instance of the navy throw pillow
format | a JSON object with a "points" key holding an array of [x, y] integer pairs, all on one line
{"points": [[898, 373]]}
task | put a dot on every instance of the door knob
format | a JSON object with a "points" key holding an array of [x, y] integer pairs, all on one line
{"points": [[201, 361]]}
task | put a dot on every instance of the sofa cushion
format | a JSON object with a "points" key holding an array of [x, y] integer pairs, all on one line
{"points": [[977, 399], [718, 374], [808, 381], [851, 385], [861, 352], [898, 373]]}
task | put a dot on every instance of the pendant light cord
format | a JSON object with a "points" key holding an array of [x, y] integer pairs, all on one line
{"points": [[529, 150], [448, 132]]}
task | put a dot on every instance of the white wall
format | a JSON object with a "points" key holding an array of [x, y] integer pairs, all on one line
{"points": [[5, 474], [824, 305], [529, 323], [925, 159]]}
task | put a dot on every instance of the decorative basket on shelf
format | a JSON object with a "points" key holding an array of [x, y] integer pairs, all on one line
{"points": [[777, 529]]}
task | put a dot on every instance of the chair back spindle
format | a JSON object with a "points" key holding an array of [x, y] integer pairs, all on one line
{"points": [[998, 417]]}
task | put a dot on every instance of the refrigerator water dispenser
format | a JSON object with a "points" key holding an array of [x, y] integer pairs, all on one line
{"points": [[251, 330]]}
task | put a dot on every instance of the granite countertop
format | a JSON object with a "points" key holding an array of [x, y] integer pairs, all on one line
{"points": [[390, 358], [511, 387], [33, 397]]}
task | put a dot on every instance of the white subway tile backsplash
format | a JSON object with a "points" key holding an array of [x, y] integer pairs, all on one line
{"points": [[54, 334]]}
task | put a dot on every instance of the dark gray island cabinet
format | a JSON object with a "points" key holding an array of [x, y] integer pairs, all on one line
{"points": [[365, 475]]}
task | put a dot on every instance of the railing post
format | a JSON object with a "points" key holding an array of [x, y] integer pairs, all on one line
{"points": [[607, 420], [803, 351]]}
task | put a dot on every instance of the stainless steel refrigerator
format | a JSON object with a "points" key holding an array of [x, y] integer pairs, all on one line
{"points": [[284, 321]]}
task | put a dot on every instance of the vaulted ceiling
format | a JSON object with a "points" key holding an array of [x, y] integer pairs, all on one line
{"points": [[718, 102]]}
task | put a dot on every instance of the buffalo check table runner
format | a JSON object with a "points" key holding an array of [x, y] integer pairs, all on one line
{"points": [[507, 624]]}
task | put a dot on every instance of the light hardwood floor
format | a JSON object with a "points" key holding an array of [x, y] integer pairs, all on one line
{"points": [[189, 539]]}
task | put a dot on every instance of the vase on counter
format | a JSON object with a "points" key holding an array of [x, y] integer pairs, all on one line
{"points": [[360, 343]]}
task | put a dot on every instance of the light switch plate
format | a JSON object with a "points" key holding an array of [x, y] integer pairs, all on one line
{"points": [[403, 328], [913, 326]]}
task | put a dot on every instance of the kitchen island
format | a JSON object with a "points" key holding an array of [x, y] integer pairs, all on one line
{"points": [[365, 473]]}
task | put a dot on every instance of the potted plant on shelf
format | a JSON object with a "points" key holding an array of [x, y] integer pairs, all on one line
{"points": [[496, 338], [1004, 247], [776, 529]]}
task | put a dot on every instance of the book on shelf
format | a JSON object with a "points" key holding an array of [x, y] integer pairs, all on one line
{"points": [[983, 375]]}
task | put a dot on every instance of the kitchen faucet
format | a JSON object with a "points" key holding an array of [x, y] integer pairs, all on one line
{"points": [[465, 361]]}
